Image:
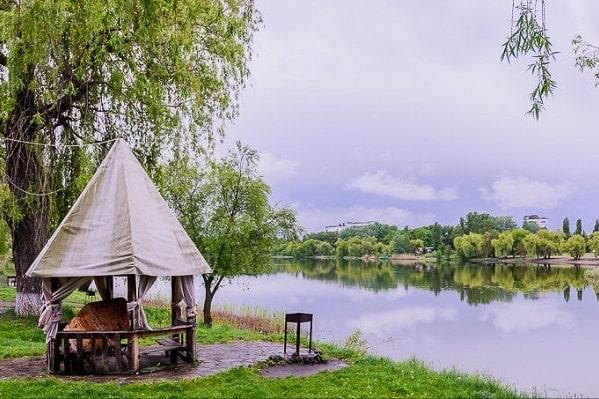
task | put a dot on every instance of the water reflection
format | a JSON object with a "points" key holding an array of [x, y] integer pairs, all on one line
{"points": [[475, 284], [531, 326]]}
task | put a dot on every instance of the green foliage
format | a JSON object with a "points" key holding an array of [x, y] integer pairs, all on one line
{"points": [[436, 236], [101, 61], [566, 227], [488, 251], [587, 56], [226, 212], [469, 245], [356, 247], [503, 244], [310, 248], [518, 246], [529, 36], [356, 342], [544, 243], [575, 246], [327, 236], [382, 232], [596, 226], [594, 243], [579, 230], [530, 226], [504, 223], [481, 223], [531, 245], [417, 245], [400, 243]]}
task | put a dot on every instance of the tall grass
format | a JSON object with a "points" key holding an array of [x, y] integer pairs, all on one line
{"points": [[250, 318]]}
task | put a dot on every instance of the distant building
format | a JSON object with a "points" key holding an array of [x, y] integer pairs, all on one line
{"points": [[540, 221], [338, 228]]}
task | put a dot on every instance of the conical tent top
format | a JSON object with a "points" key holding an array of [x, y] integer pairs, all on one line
{"points": [[119, 225]]}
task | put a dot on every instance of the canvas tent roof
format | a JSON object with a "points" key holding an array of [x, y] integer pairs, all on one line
{"points": [[119, 225]]}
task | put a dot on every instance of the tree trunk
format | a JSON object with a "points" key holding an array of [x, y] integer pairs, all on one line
{"points": [[30, 233], [27, 242], [208, 304]]}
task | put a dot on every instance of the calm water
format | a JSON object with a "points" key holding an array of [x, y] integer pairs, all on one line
{"points": [[528, 326]]}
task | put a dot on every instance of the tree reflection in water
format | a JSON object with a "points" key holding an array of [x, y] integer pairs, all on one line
{"points": [[474, 283]]}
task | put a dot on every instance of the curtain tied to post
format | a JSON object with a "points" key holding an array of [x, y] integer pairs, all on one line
{"points": [[51, 313], [139, 316], [185, 291]]}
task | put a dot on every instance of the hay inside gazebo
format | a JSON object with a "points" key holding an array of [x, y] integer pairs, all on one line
{"points": [[119, 226]]}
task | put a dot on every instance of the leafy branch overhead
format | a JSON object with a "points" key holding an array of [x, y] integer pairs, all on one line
{"points": [[529, 36], [587, 57]]}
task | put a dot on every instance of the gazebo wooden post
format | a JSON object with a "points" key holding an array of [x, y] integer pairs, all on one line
{"points": [[110, 284], [190, 339], [133, 340], [175, 316], [175, 308], [53, 348]]}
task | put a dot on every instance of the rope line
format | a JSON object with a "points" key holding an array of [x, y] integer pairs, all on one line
{"points": [[55, 145], [12, 183]]}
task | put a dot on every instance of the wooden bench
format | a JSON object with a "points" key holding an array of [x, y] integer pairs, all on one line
{"points": [[126, 356]]}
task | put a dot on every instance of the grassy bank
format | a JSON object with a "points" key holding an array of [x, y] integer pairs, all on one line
{"points": [[366, 376]]}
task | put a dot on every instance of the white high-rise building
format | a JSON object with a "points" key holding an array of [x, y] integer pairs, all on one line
{"points": [[540, 221]]}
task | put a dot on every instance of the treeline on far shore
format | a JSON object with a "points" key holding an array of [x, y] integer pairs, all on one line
{"points": [[477, 235]]}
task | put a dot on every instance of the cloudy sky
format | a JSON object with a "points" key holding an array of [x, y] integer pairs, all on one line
{"points": [[400, 111]]}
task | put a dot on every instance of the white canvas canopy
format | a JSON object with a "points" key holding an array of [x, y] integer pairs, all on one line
{"points": [[119, 225]]}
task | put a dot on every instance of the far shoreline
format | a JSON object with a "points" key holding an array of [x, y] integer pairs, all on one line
{"points": [[557, 260]]}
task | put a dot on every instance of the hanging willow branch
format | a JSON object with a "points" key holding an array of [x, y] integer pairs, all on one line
{"points": [[528, 36]]}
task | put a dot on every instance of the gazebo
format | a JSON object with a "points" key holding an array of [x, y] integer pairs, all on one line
{"points": [[119, 226]]}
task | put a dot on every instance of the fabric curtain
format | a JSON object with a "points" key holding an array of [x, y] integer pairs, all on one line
{"points": [[139, 316], [103, 284], [185, 291], [51, 313]]}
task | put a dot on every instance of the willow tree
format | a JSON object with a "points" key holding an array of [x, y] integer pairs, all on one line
{"points": [[163, 74]]}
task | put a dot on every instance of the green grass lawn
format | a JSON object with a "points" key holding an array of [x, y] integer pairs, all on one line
{"points": [[366, 376]]}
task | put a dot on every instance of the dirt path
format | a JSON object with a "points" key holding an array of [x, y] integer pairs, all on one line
{"points": [[214, 359]]}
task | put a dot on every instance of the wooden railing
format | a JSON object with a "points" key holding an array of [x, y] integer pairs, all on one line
{"points": [[115, 352]]}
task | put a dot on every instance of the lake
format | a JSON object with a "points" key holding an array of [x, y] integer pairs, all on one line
{"points": [[529, 326]]}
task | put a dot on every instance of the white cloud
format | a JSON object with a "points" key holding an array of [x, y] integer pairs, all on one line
{"points": [[527, 316], [522, 192], [387, 323], [382, 183], [275, 169]]}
